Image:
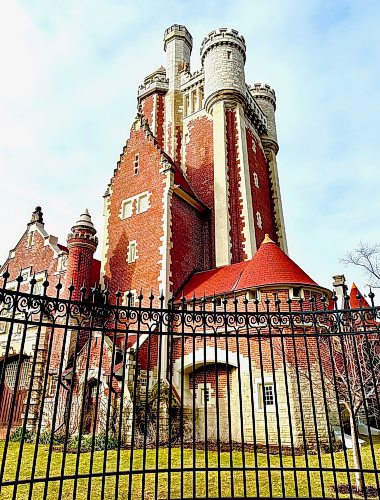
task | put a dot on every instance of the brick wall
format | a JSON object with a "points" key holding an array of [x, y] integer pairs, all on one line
{"points": [[145, 228], [235, 201], [190, 241], [261, 196], [199, 166], [39, 256]]}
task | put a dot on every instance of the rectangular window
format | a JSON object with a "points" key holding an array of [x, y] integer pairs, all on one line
{"points": [[136, 165], [38, 288], [201, 96], [25, 273], [268, 395], [129, 298], [193, 101], [132, 252], [205, 395], [253, 295], [127, 209], [142, 203], [186, 105]]}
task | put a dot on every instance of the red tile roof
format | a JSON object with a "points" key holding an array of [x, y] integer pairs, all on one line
{"points": [[355, 303], [269, 266]]}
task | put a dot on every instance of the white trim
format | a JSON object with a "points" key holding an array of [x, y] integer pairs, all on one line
{"points": [[249, 245], [258, 384], [221, 201], [134, 204], [132, 244]]}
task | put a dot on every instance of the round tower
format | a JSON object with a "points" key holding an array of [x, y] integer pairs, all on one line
{"points": [[223, 59], [265, 97], [81, 244]]}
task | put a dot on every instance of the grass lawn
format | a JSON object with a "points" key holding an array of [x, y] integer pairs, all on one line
{"points": [[243, 484]]}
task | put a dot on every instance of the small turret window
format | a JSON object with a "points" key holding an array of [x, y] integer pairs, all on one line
{"points": [[228, 54], [296, 293], [259, 220], [255, 179]]}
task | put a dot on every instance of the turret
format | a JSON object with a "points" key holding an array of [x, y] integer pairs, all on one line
{"points": [[178, 44], [223, 58], [81, 243], [265, 97]]}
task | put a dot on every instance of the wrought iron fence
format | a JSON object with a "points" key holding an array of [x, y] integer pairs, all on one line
{"points": [[121, 396]]}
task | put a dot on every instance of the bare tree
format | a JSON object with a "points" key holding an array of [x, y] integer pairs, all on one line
{"points": [[366, 256]]}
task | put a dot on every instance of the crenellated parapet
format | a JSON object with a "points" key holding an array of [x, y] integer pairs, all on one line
{"points": [[83, 233], [263, 91], [265, 97], [223, 37], [180, 32]]}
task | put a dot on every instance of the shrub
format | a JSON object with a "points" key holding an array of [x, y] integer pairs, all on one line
{"points": [[16, 436], [58, 437], [99, 444]]}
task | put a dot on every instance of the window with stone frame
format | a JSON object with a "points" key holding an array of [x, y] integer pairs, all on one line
{"points": [[127, 209], [132, 252], [266, 395], [142, 203], [129, 298], [205, 394]]}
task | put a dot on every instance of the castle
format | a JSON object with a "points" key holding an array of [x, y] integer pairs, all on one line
{"points": [[193, 210]]}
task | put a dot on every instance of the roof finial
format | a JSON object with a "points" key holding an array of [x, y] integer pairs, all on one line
{"points": [[267, 239], [37, 216]]}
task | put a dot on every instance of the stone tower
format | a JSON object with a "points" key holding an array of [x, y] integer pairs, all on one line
{"points": [[81, 243], [265, 96], [178, 44], [196, 186]]}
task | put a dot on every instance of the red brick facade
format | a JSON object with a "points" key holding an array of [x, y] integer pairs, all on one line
{"points": [[234, 183], [262, 195]]}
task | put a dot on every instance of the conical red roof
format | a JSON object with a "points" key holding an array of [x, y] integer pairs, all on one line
{"points": [[270, 265], [356, 303]]}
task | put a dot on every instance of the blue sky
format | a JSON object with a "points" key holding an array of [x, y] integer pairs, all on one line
{"points": [[69, 76]]}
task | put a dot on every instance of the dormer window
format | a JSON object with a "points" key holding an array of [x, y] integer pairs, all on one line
{"points": [[136, 165]]}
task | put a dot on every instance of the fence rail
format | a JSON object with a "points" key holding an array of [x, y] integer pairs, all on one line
{"points": [[123, 397]]}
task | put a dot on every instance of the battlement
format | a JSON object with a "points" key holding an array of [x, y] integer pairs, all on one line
{"points": [[226, 36], [263, 91], [157, 82], [191, 79], [178, 31], [80, 237]]}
